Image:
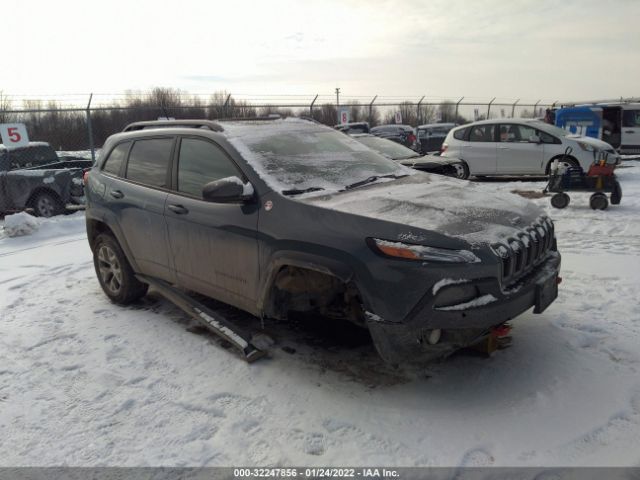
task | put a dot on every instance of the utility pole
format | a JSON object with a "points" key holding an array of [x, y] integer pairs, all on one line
{"points": [[337, 97]]}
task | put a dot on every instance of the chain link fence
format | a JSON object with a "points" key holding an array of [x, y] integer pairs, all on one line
{"points": [[80, 129]]}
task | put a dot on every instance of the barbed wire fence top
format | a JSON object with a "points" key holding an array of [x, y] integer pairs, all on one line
{"points": [[82, 122]]}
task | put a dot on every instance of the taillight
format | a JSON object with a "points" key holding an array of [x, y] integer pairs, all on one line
{"points": [[443, 148], [85, 177]]}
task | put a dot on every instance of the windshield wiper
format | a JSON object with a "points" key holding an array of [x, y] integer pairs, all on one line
{"points": [[298, 191], [371, 179]]}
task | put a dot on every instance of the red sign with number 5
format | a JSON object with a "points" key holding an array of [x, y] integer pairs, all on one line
{"points": [[14, 134]]}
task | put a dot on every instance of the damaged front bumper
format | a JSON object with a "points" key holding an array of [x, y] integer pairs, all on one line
{"points": [[467, 322]]}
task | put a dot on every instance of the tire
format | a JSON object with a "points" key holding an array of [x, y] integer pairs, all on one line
{"points": [[461, 171], [598, 201], [560, 200], [46, 204], [616, 195], [114, 272], [569, 162]]}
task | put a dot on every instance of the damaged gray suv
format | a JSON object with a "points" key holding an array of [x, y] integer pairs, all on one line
{"points": [[275, 216]]}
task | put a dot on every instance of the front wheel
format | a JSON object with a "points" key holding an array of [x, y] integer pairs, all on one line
{"points": [[115, 275], [564, 163], [560, 200]]}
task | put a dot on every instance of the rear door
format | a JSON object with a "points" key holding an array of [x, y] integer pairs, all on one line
{"points": [[480, 152], [138, 202], [214, 245], [516, 154], [630, 130]]}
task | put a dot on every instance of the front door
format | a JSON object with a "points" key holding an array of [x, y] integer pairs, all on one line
{"points": [[516, 153], [214, 245]]}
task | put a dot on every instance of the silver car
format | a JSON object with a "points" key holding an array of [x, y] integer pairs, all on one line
{"points": [[520, 147]]}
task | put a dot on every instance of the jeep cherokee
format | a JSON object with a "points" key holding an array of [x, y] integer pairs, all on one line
{"points": [[285, 215]]}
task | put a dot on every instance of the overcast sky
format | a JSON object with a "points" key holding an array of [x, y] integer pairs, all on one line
{"points": [[565, 49]]}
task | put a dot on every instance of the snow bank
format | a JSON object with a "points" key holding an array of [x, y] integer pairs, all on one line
{"points": [[20, 224]]}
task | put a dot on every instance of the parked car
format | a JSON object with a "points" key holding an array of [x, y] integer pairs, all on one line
{"points": [[35, 177], [279, 216], [451, 167], [403, 134], [432, 135], [353, 127], [520, 147]]}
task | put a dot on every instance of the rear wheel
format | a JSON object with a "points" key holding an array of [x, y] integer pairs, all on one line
{"points": [[462, 170], [46, 204], [115, 275], [598, 201], [560, 200]]}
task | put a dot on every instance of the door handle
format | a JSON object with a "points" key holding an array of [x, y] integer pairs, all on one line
{"points": [[629, 131], [116, 194], [178, 209]]}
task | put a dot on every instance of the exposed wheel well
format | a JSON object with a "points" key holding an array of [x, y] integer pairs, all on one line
{"points": [[297, 289], [95, 228], [569, 158]]}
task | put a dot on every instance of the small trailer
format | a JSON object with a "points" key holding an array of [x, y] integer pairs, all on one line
{"points": [[600, 179]]}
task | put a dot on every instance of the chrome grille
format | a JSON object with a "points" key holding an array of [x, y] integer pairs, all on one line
{"points": [[522, 252]]}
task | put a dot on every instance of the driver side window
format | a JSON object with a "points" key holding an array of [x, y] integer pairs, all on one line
{"points": [[201, 162]]}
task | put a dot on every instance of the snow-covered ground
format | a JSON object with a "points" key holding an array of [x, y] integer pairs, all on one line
{"points": [[85, 382]]}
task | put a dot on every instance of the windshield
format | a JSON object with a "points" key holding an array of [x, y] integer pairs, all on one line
{"points": [[387, 148], [297, 155], [545, 127]]}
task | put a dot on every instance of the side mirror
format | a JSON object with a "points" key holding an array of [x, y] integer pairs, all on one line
{"points": [[534, 139], [227, 190]]}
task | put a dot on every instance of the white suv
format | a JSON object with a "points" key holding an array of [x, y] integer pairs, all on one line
{"points": [[520, 147]]}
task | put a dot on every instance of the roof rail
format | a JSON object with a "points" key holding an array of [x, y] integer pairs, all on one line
{"points": [[211, 125], [271, 116]]}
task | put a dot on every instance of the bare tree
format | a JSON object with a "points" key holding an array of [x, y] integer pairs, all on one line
{"points": [[326, 114], [5, 107]]}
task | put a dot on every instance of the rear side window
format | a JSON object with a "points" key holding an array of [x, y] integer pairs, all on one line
{"points": [[460, 134], [116, 158], [148, 161], [482, 133], [202, 162]]}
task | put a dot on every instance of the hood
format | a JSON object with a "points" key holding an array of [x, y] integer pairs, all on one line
{"points": [[428, 161], [469, 211], [599, 144]]}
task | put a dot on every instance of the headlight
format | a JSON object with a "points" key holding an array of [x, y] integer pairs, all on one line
{"points": [[421, 252], [587, 147]]}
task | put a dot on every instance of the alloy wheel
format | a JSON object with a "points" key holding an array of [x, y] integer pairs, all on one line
{"points": [[110, 269]]}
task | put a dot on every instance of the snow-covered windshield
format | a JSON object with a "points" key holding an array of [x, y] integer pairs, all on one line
{"points": [[298, 155], [388, 148]]}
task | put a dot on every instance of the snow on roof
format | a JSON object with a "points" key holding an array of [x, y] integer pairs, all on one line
{"points": [[31, 144]]}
